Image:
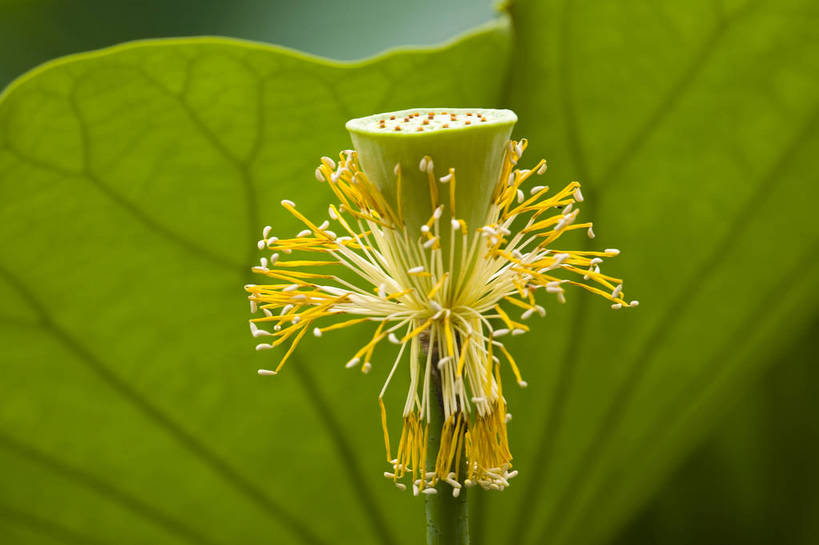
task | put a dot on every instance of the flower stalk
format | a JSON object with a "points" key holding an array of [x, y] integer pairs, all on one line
{"points": [[447, 515]]}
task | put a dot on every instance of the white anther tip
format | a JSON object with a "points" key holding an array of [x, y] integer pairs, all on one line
{"points": [[523, 384], [578, 196], [317, 332], [352, 363], [266, 372], [286, 203]]}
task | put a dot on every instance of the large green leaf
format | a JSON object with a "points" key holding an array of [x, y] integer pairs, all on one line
{"points": [[134, 183], [694, 128]]}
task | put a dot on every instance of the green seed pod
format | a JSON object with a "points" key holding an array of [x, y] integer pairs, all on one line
{"points": [[468, 142]]}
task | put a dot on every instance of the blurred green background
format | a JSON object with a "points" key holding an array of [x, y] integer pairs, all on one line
{"points": [[34, 31], [754, 478]]}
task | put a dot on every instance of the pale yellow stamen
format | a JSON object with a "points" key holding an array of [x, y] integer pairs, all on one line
{"points": [[446, 300]]}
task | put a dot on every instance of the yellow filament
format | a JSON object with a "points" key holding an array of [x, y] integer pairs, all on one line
{"points": [[437, 285], [385, 429], [512, 363], [450, 344], [341, 325], [305, 221], [291, 349], [462, 356], [416, 331]]}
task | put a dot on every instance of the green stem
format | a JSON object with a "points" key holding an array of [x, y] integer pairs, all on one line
{"points": [[447, 516]]}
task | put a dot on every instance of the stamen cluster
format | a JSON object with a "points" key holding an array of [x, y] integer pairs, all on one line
{"points": [[443, 294]]}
